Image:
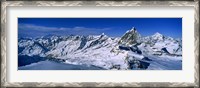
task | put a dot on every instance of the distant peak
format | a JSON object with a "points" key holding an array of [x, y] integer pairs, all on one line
{"points": [[157, 34], [48, 36], [103, 35]]}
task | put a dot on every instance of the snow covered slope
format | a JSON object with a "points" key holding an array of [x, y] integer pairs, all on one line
{"points": [[131, 51]]}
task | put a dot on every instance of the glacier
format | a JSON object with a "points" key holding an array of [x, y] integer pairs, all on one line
{"points": [[101, 52]]}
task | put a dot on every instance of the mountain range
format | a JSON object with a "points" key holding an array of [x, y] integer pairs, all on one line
{"points": [[131, 51]]}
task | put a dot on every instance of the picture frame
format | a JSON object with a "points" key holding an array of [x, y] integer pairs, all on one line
{"points": [[4, 39]]}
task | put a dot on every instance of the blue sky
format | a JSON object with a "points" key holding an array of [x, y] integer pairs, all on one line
{"points": [[115, 27]]}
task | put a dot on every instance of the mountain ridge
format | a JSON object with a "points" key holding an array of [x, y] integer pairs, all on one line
{"points": [[127, 52]]}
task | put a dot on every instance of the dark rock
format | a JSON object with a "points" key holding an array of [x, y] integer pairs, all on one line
{"points": [[165, 50], [138, 65], [83, 42], [115, 67], [147, 59], [124, 48]]}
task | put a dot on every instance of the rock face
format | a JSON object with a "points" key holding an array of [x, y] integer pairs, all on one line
{"points": [[131, 37], [131, 51]]}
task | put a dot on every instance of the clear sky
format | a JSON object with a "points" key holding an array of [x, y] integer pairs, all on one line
{"points": [[114, 27]]}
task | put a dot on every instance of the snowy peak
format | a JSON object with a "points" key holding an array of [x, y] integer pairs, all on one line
{"points": [[103, 35], [155, 37], [130, 37], [132, 30], [160, 43], [158, 36]]}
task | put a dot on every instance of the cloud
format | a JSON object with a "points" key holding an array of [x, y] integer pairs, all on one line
{"points": [[30, 30]]}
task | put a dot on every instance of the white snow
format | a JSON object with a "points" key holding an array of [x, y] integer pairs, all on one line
{"points": [[135, 55], [50, 65], [102, 51]]}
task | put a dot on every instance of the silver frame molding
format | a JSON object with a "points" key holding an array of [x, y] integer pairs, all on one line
{"points": [[5, 4]]}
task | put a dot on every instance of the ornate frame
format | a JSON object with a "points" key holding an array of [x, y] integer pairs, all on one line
{"points": [[5, 4]]}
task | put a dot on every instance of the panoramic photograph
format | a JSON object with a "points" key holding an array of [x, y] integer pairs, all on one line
{"points": [[99, 43]]}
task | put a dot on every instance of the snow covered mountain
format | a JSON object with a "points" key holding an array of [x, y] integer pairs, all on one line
{"points": [[131, 51], [160, 44]]}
